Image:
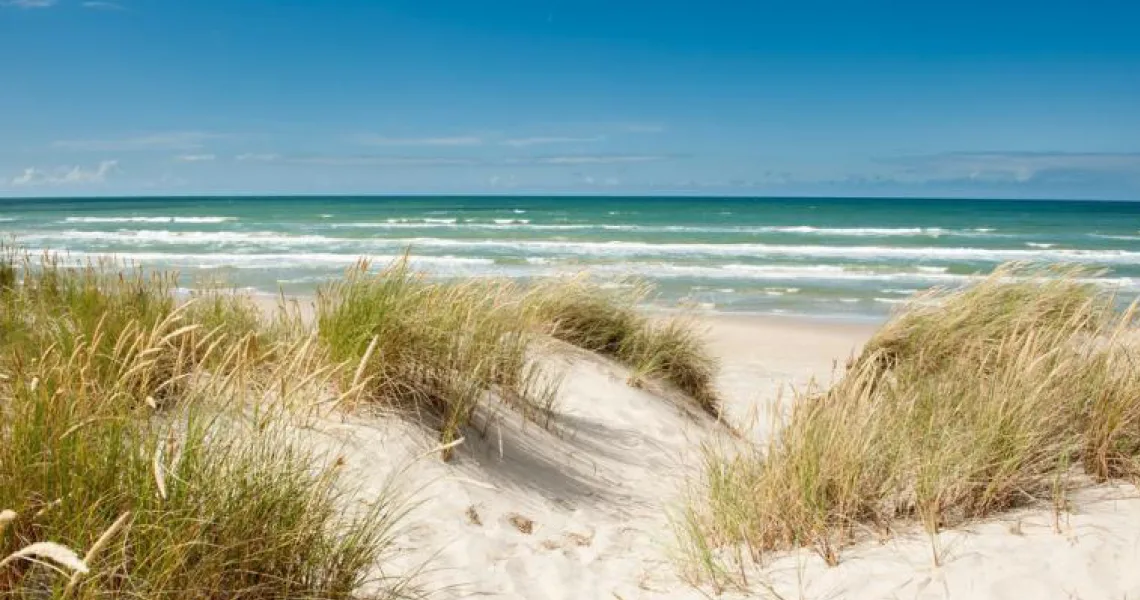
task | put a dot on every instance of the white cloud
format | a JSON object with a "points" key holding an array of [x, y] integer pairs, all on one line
{"points": [[32, 177], [29, 3], [249, 156], [536, 141], [611, 159], [175, 140], [359, 161], [643, 128], [195, 158], [375, 140], [100, 5], [1011, 166]]}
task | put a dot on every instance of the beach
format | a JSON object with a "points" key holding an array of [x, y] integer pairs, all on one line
{"points": [[600, 498], [515, 417]]}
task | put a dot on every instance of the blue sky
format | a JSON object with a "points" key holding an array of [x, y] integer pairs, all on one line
{"points": [[966, 98]]}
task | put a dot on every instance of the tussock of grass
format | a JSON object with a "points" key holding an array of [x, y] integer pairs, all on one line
{"points": [[607, 320], [111, 445], [969, 403], [434, 349]]}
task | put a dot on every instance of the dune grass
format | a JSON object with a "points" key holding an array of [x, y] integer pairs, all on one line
{"points": [[608, 321], [432, 349], [113, 447], [968, 403]]}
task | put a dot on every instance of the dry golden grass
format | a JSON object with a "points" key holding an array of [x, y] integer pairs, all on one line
{"points": [[608, 321], [968, 403], [435, 350], [151, 435], [114, 439]]}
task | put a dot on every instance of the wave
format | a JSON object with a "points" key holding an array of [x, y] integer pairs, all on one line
{"points": [[615, 249], [1039, 245], [526, 225], [812, 275], [1129, 238], [281, 261], [7, 219], [197, 220], [151, 236]]}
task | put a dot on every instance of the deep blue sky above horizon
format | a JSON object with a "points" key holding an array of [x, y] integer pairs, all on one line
{"points": [[973, 99]]}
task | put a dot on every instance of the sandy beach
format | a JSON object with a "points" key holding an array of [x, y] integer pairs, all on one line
{"points": [[587, 509]]}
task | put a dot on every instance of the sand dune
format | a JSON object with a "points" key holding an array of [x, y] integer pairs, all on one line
{"points": [[582, 510]]}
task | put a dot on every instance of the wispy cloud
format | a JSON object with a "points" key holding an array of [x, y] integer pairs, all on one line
{"points": [[32, 176], [29, 3], [100, 5], [359, 160], [643, 128], [586, 159], [195, 157], [250, 156], [366, 160], [539, 141], [175, 140], [1011, 166], [378, 140]]}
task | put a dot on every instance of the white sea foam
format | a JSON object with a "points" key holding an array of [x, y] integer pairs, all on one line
{"points": [[215, 260], [1128, 238], [161, 236], [526, 224], [616, 249], [1039, 245], [188, 220], [534, 266]]}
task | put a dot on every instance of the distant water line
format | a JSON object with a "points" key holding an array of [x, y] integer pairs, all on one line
{"points": [[854, 258]]}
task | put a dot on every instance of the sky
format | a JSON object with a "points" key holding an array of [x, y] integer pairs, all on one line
{"points": [[992, 99]]}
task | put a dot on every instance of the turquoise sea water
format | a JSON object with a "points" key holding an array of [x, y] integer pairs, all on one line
{"points": [[835, 257]]}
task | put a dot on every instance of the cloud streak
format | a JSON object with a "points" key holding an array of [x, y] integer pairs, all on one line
{"points": [[28, 3], [538, 141], [586, 159], [190, 158], [175, 140], [1012, 166], [101, 5], [76, 175], [447, 161], [377, 140]]}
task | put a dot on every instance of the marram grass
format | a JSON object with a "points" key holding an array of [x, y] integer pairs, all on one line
{"points": [[112, 447], [966, 404], [145, 437]]}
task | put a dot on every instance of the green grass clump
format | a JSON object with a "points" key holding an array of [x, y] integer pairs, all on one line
{"points": [[114, 444], [969, 403], [608, 321], [432, 349]]}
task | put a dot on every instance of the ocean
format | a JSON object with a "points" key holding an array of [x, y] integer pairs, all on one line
{"points": [[828, 257]]}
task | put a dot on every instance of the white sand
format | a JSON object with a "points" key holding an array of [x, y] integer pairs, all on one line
{"points": [[599, 490]]}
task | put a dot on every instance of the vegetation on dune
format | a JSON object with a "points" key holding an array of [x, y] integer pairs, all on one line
{"points": [[968, 403], [144, 442], [607, 321], [120, 475], [432, 349]]}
